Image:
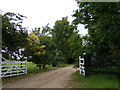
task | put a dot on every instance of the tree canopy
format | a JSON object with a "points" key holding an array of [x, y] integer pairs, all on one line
{"points": [[63, 42], [61, 33], [13, 35], [103, 23]]}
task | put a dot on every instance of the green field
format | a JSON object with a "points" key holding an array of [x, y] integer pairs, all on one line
{"points": [[31, 70], [94, 81]]}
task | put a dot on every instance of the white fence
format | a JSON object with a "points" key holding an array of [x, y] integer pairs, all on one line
{"points": [[13, 68], [82, 65]]}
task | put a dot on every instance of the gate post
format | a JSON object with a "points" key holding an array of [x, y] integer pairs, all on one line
{"points": [[0, 71], [0, 65], [85, 58], [79, 64], [26, 66], [87, 63]]}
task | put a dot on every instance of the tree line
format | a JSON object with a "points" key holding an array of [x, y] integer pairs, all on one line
{"points": [[63, 43]]}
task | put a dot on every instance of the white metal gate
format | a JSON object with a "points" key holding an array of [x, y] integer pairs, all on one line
{"points": [[81, 65], [12, 68]]}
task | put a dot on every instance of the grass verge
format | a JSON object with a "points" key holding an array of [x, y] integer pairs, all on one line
{"points": [[31, 70], [94, 81]]}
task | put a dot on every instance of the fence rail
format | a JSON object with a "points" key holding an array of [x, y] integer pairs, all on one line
{"points": [[95, 64], [13, 68], [88, 64]]}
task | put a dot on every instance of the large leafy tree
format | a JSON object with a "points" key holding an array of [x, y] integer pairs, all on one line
{"points": [[47, 39], [48, 58], [103, 23], [34, 49], [44, 37], [61, 33], [13, 35], [76, 46]]}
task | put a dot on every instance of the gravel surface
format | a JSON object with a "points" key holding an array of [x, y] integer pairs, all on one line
{"points": [[58, 78]]}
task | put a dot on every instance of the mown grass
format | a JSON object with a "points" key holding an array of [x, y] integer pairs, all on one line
{"points": [[94, 81], [31, 70]]}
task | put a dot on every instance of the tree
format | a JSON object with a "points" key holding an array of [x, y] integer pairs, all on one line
{"points": [[45, 39], [76, 45], [48, 58], [34, 50], [61, 33], [102, 21], [13, 35]]}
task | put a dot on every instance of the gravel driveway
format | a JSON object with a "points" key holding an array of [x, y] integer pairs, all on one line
{"points": [[58, 78]]}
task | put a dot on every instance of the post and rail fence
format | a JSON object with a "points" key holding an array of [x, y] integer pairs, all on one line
{"points": [[95, 64]]}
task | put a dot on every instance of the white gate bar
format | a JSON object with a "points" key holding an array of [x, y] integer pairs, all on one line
{"points": [[12, 70], [4, 62]]}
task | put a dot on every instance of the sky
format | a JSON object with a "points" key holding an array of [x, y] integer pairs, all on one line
{"points": [[41, 12]]}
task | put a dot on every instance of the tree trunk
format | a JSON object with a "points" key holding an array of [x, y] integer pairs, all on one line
{"points": [[44, 66], [53, 64], [39, 66]]}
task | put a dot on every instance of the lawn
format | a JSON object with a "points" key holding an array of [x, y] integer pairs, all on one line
{"points": [[94, 81], [31, 70]]}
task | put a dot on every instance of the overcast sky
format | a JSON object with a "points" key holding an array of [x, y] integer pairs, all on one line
{"points": [[41, 12]]}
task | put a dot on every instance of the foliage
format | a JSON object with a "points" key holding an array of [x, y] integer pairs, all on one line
{"points": [[76, 46], [34, 50], [102, 21], [49, 46], [13, 35], [48, 58], [61, 33], [50, 49]]}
